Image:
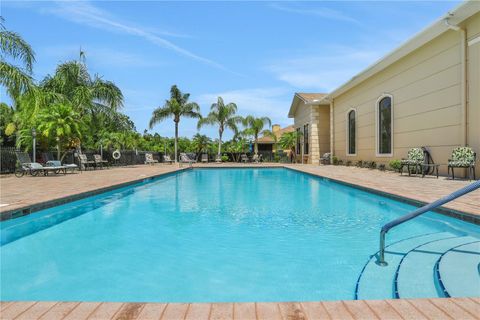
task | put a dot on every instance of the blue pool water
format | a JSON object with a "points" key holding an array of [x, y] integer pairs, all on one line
{"points": [[206, 235]]}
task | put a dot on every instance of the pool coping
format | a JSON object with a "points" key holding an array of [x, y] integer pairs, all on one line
{"points": [[423, 308], [28, 209]]}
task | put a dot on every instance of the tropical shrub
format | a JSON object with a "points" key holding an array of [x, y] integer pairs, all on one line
{"points": [[334, 160], [395, 164], [224, 158]]}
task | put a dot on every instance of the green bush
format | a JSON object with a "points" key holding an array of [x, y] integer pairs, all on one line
{"points": [[334, 161], [348, 163], [395, 165], [224, 158]]}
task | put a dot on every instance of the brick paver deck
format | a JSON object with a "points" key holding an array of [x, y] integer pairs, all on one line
{"points": [[434, 309], [19, 193], [44, 189]]}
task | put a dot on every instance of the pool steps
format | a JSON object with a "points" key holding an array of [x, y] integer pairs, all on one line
{"points": [[430, 265], [463, 283]]}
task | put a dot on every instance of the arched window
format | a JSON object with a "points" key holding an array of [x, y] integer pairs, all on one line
{"points": [[351, 132], [384, 126]]}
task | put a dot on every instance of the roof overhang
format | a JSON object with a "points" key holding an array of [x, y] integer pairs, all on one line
{"points": [[298, 100], [454, 17]]}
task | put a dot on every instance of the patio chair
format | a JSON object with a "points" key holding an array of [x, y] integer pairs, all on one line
{"points": [[186, 159], [463, 157], [166, 159], [244, 158], [415, 159], [149, 159], [325, 159], [204, 158], [256, 158], [57, 163], [99, 162], [218, 158], [34, 168], [84, 162]]}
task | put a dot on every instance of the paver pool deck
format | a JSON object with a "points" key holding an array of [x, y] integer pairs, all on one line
{"points": [[20, 193], [416, 309]]}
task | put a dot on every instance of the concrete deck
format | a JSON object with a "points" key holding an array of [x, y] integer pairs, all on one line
{"points": [[434, 309]]}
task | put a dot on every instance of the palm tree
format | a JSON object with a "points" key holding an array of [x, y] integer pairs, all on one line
{"points": [[224, 116], [59, 121], [288, 140], [15, 79], [200, 143], [177, 106], [88, 95], [254, 127]]}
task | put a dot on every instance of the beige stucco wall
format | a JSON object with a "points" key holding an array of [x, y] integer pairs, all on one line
{"points": [[322, 118], [472, 26], [317, 117], [427, 105]]}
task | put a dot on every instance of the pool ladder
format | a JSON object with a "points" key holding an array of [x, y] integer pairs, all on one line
{"points": [[454, 195]]}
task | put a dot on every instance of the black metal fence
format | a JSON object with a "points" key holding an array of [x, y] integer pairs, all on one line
{"points": [[8, 159]]}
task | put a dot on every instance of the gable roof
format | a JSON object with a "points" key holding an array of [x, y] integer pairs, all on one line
{"points": [[267, 139], [307, 99]]}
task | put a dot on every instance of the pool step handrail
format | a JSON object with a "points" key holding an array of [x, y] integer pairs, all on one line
{"points": [[431, 206]]}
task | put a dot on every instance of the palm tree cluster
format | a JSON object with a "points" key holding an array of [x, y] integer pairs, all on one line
{"points": [[71, 109]]}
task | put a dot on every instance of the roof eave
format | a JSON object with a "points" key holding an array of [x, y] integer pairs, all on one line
{"points": [[456, 16]]}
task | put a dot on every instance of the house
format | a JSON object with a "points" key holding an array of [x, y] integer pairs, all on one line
{"points": [[267, 143], [424, 93], [312, 119]]}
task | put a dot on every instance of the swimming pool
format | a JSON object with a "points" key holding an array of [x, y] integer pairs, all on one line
{"points": [[207, 235]]}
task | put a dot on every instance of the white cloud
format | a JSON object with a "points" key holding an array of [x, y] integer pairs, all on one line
{"points": [[104, 56], [271, 102], [322, 12], [325, 70], [83, 12]]}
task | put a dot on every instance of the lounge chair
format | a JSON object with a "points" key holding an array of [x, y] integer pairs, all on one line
{"points": [[204, 158], [257, 158], [166, 159], [99, 162], [34, 168], [463, 157], [184, 157], [415, 159], [84, 162], [325, 159], [149, 159], [57, 163], [218, 158], [244, 158]]}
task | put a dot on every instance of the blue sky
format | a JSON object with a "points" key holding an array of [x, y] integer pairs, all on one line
{"points": [[256, 54]]}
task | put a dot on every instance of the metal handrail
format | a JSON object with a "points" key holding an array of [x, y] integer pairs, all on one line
{"points": [[461, 192]]}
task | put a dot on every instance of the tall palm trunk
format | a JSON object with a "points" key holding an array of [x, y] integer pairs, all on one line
{"points": [[176, 141], [220, 133], [256, 144]]}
